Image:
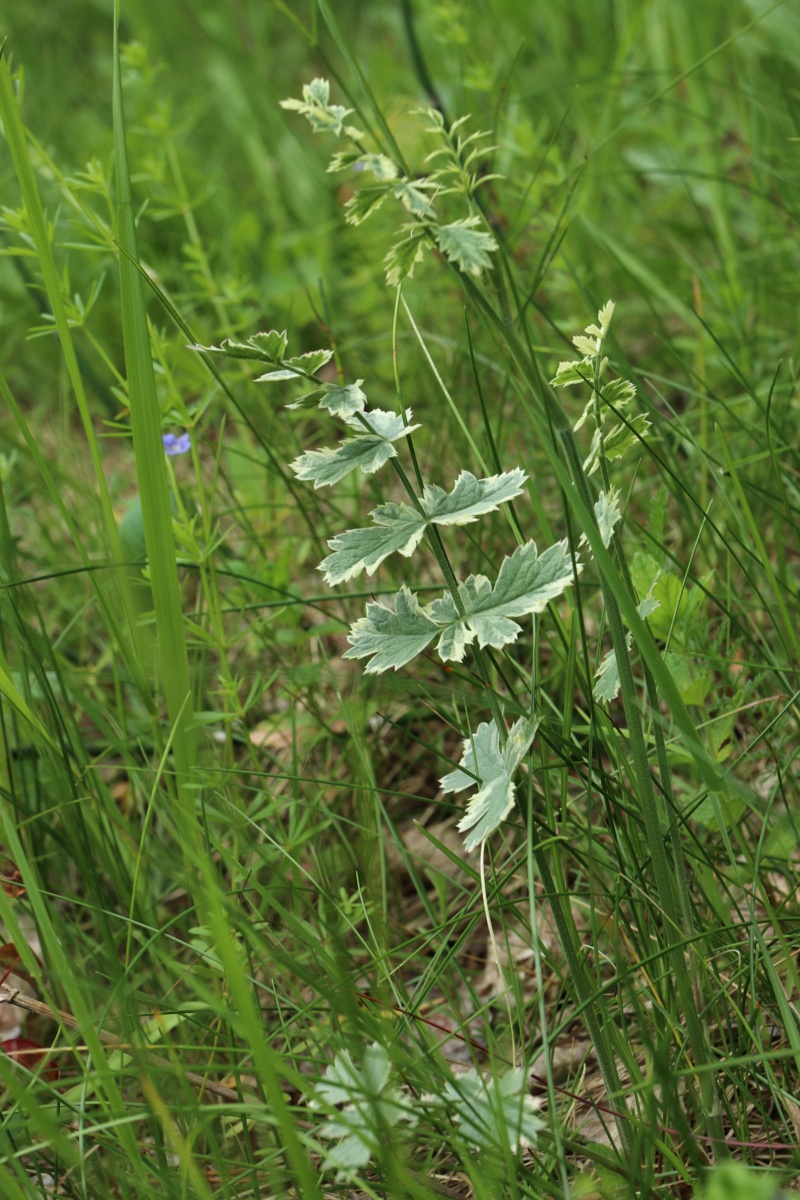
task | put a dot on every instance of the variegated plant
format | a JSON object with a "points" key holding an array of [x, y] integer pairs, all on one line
{"points": [[476, 612]]}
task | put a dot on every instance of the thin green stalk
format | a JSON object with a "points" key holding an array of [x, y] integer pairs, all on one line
{"points": [[173, 662]]}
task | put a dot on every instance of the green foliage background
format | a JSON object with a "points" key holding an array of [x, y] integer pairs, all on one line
{"points": [[274, 916]]}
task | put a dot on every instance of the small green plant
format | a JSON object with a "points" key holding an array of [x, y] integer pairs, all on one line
{"points": [[465, 241], [473, 613]]}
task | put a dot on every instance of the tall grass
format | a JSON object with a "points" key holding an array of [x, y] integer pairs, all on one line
{"points": [[226, 856]]}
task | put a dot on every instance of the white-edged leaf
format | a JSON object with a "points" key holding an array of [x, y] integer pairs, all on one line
{"points": [[343, 401], [495, 1113], [301, 367], [267, 347], [587, 346], [322, 116], [344, 159], [385, 424], [308, 399], [572, 372], [327, 466], [649, 605], [472, 497], [404, 255], [378, 165], [527, 581], [606, 679], [618, 393], [412, 194], [368, 452], [604, 317], [614, 395], [391, 637], [616, 441], [463, 244], [608, 513], [398, 529], [494, 766], [365, 202]]}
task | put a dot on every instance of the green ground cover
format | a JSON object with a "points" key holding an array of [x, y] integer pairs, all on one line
{"points": [[468, 865]]}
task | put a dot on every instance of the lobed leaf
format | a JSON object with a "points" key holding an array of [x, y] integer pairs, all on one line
{"points": [[463, 244], [365, 202], [300, 367], [471, 497], [490, 767], [616, 441], [606, 679], [526, 583], [368, 452], [391, 638], [322, 116], [495, 1113], [412, 195], [404, 256], [608, 513], [398, 529], [365, 1107], [267, 347]]}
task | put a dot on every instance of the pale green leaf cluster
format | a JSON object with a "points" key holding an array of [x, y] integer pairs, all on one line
{"points": [[362, 1107], [464, 242], [459, 154], [611, 397], [322, 116], [489, 767], [495, 1113]]}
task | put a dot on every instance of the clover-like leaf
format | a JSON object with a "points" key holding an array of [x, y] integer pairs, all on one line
{"points": [[391, 638], [496, 1113], [490, 767], [526, 583], [398, 528], [463, 244]]}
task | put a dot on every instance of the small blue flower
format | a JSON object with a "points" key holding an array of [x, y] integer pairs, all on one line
{"points": [[177, 445]]}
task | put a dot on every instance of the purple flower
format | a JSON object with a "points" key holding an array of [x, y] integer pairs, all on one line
{"points": [[176, 445]]}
